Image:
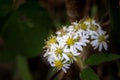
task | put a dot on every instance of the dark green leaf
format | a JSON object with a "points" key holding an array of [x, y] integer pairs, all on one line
{"points": [[88, 74], [25, 31], [101, 58], [5, 11], [6, 57], [5, 7]]}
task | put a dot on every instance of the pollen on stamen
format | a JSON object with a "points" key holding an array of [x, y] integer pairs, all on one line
{"points": [[101, 38], [59, 51], [70, 41], [58, 64]]}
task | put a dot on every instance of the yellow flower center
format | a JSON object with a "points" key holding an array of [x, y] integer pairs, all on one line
{"points": [[70, 55], [77, 39], [70, 41], [93, 28], [58, 64], [83, 26], [88, 19], [76, 27], [101, 38], [59, 51], [52, 40]]}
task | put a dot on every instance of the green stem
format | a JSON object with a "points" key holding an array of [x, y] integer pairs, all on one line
{"points": [[80, 63], [22, 66]]}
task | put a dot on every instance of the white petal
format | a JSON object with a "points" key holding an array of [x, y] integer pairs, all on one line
{"points": [[76, 54], [96, 46], [100, 46], [66, 50], [64, 70], [66, 66], [106, 36], [94, 42], [79, 47], [65, 56], [105, 45]]}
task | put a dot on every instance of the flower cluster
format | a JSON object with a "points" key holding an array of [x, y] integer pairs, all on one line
{"points": [[62, 49]]}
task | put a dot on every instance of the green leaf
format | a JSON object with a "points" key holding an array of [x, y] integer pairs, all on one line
{"points": [[23, 69], [24, 33], [5, 7], [6, 58], [99, 58], [5, 11], [88, 74]]}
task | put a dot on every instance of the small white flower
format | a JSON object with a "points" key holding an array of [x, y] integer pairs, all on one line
{"points": [[72, 53], [71, 42], [100, 40], [51, 40], [62, 31], [59, 63], [83, 37], [88, 21], [47, 53], [93, 29]]}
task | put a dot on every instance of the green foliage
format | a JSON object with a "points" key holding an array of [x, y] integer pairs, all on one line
{"points": [[25, 31], [23, 68], [5, 7], [88, 74], [5, 11], [101, 58]]}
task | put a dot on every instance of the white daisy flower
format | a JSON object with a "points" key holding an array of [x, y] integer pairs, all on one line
{"points": [[59, 63], [72, 43], [100, 40], [82, 38], [93, 29], [72, 53], [51, 40], [47, 52], [76, 41], [62, 31], [59, 50], [88, 21]]}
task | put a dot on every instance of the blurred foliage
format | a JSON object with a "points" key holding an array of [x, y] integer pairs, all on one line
{"points": [[5, 7], [25, 31], [99, 58], [88, 74], [23, 68]]}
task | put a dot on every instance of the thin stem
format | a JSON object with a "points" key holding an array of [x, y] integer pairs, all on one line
{"points": [[80, 63], [75, 9], [55, 75]]}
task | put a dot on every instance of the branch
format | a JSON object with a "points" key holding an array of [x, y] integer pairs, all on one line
{"points": [[75, 9]]}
